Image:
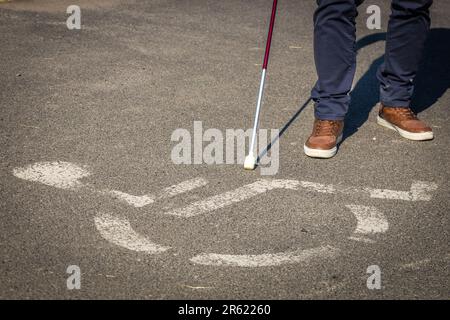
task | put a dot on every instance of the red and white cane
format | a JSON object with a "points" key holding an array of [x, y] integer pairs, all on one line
{"points": [[251, 159]]}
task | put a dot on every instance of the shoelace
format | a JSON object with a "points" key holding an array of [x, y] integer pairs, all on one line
{"points": [[407, 113], [325, 128]]}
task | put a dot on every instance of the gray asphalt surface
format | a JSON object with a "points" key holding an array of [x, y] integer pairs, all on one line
{"points": [[109, 97]]}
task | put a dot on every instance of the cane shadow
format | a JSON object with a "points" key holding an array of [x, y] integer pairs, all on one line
{"points": [[283, 129], [432, 80]]}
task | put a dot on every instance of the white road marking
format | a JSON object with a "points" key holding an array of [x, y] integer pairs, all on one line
{"points": [[135, 201], [196, 287], [418, 192], [362, 239], [389, 194], [228, 198], [369, 220], [66, 175], [416, 265], [183, 187], [318, 187], [169, 192], [424, 263], [58, 174], [265, 260], [119, 232]]}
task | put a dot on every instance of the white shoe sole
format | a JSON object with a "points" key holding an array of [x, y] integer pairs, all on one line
{"points": [[420, 136], [323, 154]]}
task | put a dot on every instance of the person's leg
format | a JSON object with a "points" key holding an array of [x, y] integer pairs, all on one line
{"points": [[407, 31], [408, 27], [335, 57]]}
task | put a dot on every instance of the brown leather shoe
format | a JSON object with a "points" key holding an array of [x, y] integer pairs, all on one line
{"points": [[323, 141], [405, 122]]}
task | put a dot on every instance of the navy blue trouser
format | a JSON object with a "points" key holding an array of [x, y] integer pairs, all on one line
{"points": [[335, 54]]}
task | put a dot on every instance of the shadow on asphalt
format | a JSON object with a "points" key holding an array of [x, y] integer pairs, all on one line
{"points": [[283, 129], [432, 80]]}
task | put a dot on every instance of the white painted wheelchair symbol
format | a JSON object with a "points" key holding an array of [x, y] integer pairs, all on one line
{"points": [[118, 230]]}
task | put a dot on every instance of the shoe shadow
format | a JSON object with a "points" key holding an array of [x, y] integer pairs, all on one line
{"points": [[432, 81]]}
